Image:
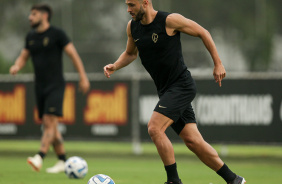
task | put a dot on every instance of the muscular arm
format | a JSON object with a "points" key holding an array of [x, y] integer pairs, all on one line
{"points": [[129, 55], [176, 22], [20, 62], [72, 53]]}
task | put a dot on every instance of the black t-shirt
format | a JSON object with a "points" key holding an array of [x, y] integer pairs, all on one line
{"points": [[161, 54], [46, 51]]}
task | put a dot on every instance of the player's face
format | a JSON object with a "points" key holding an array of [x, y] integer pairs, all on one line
{"points": [[35, 18], [135, 9]]}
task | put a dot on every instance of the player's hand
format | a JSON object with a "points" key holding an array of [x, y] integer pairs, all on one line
{"points": [[219, 73], [109, 70], [84, 85], [14, 69]]}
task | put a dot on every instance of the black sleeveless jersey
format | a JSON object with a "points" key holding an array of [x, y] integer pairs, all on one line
{"points": [[46, 51], [161, 54]]}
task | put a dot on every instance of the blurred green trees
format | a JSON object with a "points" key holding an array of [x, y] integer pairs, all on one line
{"points": [[98, 27], [255, 22]]}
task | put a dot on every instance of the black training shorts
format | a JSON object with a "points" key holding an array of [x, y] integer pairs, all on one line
{"points": [[50, 99], [175, 102]]}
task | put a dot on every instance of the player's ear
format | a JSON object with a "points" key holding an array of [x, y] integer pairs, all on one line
{"points": [[145, 3], [45, 16]]}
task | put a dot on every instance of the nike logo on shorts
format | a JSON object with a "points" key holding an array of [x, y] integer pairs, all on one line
{"points": [[162, 107]]}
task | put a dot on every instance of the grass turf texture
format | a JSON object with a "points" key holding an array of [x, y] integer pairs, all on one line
{"points": [[258, 164]]}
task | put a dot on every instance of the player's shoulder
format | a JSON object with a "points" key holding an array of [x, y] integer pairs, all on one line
{"points": [[56, 29], [129, 22], [173, 16], [163, 13], [31, 33], [173, 19], [132, 24], [167, 16], [57, 32]]}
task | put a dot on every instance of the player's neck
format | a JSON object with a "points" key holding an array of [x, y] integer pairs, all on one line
{"points": [[149, 16], [43, 27]]}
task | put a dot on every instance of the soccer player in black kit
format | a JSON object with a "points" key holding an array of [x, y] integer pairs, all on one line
{"points": [[155, 35], [45, 44]]}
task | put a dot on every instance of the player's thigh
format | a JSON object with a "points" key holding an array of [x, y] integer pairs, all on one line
{"points": [[191, 133], [158, 122], [188, 116], [50, 121], [54, 101]]}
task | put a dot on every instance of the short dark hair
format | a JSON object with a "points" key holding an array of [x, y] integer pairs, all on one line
{"points": [[43, 8]]}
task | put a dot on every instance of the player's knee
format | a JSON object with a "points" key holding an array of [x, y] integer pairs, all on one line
{"points": [[153, 130], [49, 122], [192, 142], [57, 142]]}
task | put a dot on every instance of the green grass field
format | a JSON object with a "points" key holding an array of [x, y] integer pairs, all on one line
{"points": [[258, 164]]}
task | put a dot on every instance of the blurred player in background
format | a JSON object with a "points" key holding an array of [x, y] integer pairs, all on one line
{"points": [[45, 44], [155, 35]]}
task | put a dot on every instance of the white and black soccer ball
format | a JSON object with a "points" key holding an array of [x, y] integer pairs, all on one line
{"points": [[101, 179], [76, 167]]}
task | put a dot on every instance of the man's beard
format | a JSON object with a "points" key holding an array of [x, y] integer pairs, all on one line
{"points": [[35, 25], [140, 14]]}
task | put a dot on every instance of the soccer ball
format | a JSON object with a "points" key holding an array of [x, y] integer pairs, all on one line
{"points": [[76, 167], [101, 179]]}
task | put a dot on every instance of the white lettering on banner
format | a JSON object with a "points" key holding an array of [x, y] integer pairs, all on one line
{"points": [[104, 130], [234, 109], [146, 108], [8, 129]]}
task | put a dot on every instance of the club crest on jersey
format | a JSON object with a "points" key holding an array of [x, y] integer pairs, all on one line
{"points": [[155, 37], [45, 41], [31, 42]]}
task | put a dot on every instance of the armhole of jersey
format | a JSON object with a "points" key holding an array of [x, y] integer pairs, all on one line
{"points": [[165, 28], [66, 44]]}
